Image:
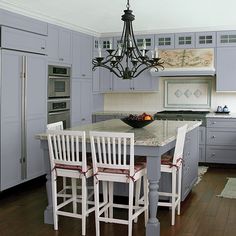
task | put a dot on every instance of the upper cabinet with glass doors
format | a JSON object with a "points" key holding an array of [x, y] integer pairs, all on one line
{"points": [[165, 41], [226, 38], [185, 40], [205, 39]]}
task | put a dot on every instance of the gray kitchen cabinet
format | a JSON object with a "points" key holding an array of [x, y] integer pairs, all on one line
{"points": [[226, 38], [82, 55], [81, 101], [21, 22], [185, 40], [59, 44], [21, 156], [165, 41], [221, 140], [225, 69], [22, 40], [205, 39]]}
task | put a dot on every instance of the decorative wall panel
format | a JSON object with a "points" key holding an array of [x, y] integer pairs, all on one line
{"points": [[186, 93]]}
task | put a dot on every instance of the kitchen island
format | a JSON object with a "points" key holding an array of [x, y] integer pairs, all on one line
{"points": [[151, 141]]}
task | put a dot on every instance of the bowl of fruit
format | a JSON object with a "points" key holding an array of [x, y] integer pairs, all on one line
{"points": [[138, 121]]}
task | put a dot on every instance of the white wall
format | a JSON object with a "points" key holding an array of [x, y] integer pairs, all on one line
{"points": [[155, 101]]}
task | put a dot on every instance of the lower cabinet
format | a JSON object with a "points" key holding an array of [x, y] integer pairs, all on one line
{"points": [[81, 101], [221, 141]]}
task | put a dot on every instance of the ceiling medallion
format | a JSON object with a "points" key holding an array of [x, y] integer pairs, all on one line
{"points": [[128, 61]]}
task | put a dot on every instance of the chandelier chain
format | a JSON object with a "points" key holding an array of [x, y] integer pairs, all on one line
{"points": [[127, 5]]}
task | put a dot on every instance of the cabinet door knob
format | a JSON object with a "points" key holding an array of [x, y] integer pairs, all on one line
{"points": [[83, 119], [83, 75], [214, 122], [43, 48], [213, 137], [213, 154]]}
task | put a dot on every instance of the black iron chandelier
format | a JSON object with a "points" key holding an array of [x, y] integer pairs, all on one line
{"points": [[128, 61]]}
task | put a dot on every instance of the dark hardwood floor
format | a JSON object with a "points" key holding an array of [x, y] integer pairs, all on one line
{"points": [[202, 213]]}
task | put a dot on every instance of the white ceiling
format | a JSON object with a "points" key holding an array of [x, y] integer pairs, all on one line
{"points": [[104, 16]]}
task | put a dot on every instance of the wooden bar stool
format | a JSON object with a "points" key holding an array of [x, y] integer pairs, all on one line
{"points": [[113, 161], [67, 152]]}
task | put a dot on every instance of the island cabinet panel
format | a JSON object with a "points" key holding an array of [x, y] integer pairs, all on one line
{"points": [[59, 44], [202, 144], [226, 69], [82, 55], [190, 162], [21, 22], [21, 156], [221, 141]]}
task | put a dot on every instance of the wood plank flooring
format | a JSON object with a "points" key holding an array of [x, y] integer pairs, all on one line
{"points": [[202, 213]]}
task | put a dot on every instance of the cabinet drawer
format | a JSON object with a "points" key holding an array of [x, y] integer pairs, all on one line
{"points": [[23, 41], [221, 154], [221, 123], [219, 137]]}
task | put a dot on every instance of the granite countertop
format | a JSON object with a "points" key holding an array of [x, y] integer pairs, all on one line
{"points": [[221, 115], [122, 113], [158, 133]]}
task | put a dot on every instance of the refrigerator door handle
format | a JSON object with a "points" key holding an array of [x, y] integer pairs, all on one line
{"points": [[23, 117]]}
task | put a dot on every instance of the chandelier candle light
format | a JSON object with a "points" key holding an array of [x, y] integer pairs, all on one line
{"points": [[127, 61]]}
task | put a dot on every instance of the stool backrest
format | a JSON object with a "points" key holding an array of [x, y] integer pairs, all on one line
{"points": [[179, 146], [112, 150], [55, 126], [67, 147]]}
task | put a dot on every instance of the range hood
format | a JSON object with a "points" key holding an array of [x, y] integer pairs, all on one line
{"points": [[186, 62]]}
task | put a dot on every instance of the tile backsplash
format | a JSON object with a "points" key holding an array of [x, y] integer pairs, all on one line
{"points": [[155, 101]]}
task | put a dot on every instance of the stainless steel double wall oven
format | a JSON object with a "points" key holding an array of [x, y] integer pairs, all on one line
{"points": [[59, 95]]}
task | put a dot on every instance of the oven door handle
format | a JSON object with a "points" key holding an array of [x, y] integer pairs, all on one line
{"points": [[58, 112], [58, 77]]}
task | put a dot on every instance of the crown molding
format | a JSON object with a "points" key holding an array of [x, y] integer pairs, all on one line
{"points": [[45, 18]]}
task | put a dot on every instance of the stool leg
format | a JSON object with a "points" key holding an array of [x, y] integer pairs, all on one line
{"points": [[173, 196], [96, 198], [105, 193], [84, 205], [131, 195], [64, 186], [54, 201], [145, 193], [111, 199], [179, 188], [137, 195], [74, 194]]}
